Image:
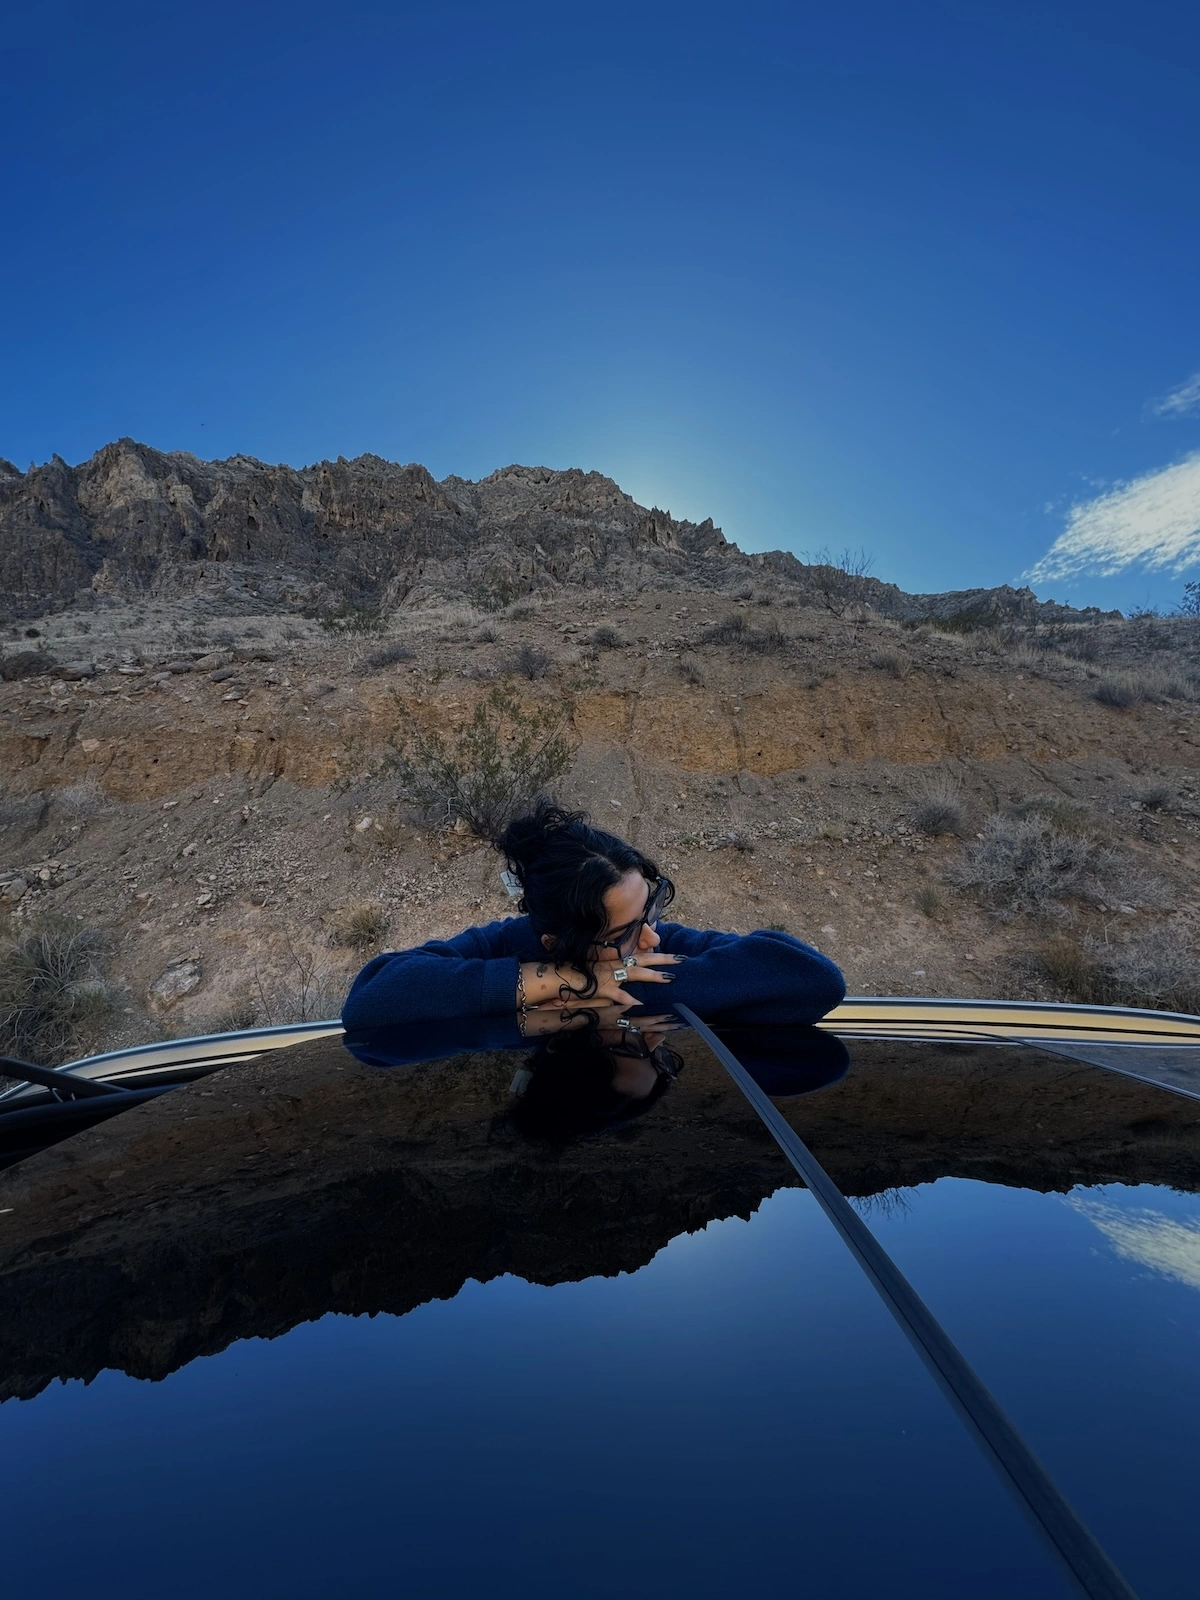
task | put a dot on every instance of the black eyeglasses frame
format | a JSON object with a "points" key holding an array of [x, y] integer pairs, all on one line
{"points": [[661, 892]]}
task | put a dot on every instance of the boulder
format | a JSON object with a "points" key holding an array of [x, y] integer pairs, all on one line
{"points": [[176, 980]]}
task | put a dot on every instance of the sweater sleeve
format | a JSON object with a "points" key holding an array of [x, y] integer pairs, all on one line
{"points": [[471, 975], [726, 970]]}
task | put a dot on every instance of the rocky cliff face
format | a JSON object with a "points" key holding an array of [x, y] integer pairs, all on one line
{"points": [[134, 521]]}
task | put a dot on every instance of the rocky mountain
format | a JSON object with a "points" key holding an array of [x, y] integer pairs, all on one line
{"points": [[133, 520], [370, 534]]}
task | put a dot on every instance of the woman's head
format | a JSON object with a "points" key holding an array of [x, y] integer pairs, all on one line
{"points": [[584, 889], [582, 1085]]}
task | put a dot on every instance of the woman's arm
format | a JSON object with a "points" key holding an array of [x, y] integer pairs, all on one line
{"points": [[724, 970], [471, 975]]}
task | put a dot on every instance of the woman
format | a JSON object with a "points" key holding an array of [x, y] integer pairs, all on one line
{"points": [[591, 939]]}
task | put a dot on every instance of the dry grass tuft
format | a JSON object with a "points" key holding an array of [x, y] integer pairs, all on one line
{"points": [[899, 665], [362, 926], [52, 988], [1158, 797], [732, 630], [1119, 691], [939, 807], [735, 630], [1068, 816], [387, 656], [929, 901]]}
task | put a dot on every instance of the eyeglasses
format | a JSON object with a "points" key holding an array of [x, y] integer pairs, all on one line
{"points": [[625, 940], [665, 1061]]}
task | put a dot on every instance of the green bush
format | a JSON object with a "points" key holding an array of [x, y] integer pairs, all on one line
{"points": [[488, 770]]}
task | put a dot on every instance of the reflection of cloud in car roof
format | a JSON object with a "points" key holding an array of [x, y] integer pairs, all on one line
{"points": [[1148, 1238]]}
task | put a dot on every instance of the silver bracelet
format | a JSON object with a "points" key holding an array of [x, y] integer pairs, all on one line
{"points": [[521, 1000]]}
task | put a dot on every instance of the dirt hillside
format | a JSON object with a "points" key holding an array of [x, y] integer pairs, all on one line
{"points": [[1003, 811]]}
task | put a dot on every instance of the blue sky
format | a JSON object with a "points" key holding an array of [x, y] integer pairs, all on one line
{"points": [[915, 278]]}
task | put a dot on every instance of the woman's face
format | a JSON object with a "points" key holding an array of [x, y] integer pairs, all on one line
{"points": [[624, 903]]}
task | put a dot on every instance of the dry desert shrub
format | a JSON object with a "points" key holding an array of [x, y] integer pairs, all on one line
{"points": [[605, 638], [1025, 866], [387, 656], [1027, 659], [731, 630], [308, 991], [362, 926], [1157, 798], [929, 901], [732, 840], [1119, 691], [82, 800], [1122, 690], [530, 662], [765, 641], [52, 988], [735, 630], [939, 807], [689, 671], [1082, 646], [1152, 971], [1068, 816], [893, 661]]}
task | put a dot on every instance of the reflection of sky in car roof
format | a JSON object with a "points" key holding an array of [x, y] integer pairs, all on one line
{"points": [[393, 1342]]}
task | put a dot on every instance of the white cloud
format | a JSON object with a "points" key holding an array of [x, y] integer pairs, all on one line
{"points": [[1148, 1237], [1180, 402], [1154, 521]]}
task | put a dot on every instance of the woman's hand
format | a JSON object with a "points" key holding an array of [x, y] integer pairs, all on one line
{"points": [[552, 988]]}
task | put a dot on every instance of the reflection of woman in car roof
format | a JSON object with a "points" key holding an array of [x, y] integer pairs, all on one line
{"points": [[591, 938]]}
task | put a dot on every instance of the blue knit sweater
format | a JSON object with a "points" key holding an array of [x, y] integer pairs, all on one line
{"points": [[475, 974]]}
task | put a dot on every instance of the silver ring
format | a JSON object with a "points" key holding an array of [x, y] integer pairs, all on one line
{"points": [[624, 1022], [620, 974], [631, 961]]}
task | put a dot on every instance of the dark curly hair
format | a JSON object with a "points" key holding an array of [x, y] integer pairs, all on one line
{"points": [[571, 1096], [566, 865]]}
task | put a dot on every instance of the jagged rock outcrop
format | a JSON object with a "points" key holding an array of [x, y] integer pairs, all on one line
{"points": [[133, 521]]}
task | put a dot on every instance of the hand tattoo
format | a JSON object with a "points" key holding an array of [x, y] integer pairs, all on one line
{"points": [[542, 970]]}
